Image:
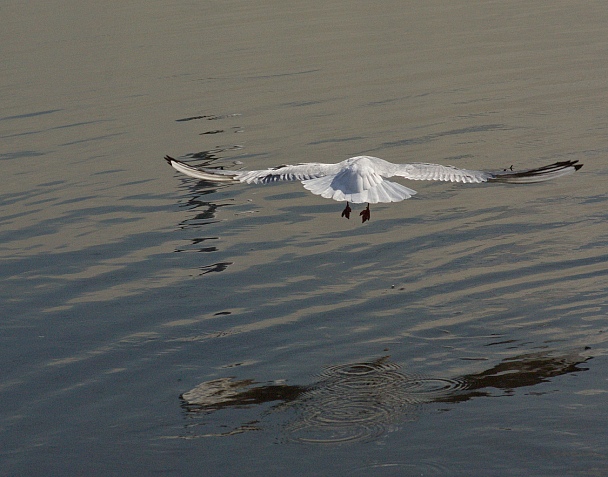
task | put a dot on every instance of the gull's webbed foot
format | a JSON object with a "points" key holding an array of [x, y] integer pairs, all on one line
{"points": [[365, 214], [346, 212]]}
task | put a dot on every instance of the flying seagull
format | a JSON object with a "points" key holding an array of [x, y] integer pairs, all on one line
{"points": [[362, 179]]}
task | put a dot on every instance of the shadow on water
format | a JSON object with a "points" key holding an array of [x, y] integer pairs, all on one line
{"points": [[363, 401]]}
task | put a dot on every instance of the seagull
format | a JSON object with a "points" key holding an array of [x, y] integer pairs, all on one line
{"points": [[362, 179]]}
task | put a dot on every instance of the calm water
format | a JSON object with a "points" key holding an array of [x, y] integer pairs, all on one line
{"points": [[156, 325]]}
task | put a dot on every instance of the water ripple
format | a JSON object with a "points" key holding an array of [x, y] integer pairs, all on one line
{"points": [[403, 469], [361, 401]]}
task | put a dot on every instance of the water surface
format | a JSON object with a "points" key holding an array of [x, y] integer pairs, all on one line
{"points": [[153, 323]]}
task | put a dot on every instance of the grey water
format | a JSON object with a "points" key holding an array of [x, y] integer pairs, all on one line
{"points": [[153, 324]]}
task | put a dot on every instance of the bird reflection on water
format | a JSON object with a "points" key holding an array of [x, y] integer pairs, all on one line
{"points": [[362, 401]]}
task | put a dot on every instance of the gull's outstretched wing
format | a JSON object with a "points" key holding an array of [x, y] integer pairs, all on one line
{"points": [[299, 172], [437, 172], [362, 179], [213, 175]]}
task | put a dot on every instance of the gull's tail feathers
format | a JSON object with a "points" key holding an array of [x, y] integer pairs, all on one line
{"points": [[541, 174], [384, 191]]}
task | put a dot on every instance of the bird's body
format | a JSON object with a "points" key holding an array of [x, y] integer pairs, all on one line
{"points": [[362, 179]]}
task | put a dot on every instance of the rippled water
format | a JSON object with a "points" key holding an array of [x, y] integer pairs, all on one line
{"points": [[152, 323]]}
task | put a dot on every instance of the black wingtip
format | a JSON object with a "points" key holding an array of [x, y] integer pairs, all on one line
{"points": [[539, 174], [169, 159]]}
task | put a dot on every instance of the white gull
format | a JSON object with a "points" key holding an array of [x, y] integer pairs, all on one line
{"points": [[362, 179]]}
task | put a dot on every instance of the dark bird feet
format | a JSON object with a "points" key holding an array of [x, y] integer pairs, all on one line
{"points": [[346, 212], [365, 214]]}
